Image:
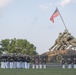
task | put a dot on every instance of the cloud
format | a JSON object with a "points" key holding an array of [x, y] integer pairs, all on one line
{"points": [[43, 7], [4, 3], [64, 2]]}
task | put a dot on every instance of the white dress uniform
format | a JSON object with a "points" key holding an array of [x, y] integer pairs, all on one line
{"points": [[40, 63], [44, 66], [69, 66], [28, 65], [63, 63], [63, 66], [44, 63], [33, 64], [37, 63], [28, 62], [7, 64], [37, 66], [40, 66], [2, 64], [69, 63], [14, 64], [18, 63], [74, 65], [74, 62], [11, 63], [25, 63]]}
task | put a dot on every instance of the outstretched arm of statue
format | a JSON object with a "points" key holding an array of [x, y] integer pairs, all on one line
{"points": [[53, 47]]}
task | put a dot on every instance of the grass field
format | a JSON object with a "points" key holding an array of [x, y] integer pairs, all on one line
{"points": [[49, 71]]}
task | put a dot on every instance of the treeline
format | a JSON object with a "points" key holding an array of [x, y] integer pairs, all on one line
{"points": [[17, 46]]}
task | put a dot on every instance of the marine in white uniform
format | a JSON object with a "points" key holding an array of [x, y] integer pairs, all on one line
{"points": [[63, 63], [74, 62], [28, 62], [69, 61], [37, 62], [15, 62], [11, 62], [44, 62], [33, 62], [40, 63], [23, 62]]}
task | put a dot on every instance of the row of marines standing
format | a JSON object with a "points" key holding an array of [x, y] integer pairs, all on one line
{"points": [[71, 63], [22, 61]]}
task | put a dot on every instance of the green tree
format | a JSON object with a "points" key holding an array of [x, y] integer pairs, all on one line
{"points": [[4, 45], [18, 46]]}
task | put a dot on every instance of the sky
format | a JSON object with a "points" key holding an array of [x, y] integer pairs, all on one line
{"points": [[30, 19]]}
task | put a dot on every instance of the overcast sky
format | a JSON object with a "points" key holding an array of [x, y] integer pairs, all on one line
{"points": [[29, 19]]}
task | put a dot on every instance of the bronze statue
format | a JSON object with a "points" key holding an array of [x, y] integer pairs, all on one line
{"points": [[64, 41]]}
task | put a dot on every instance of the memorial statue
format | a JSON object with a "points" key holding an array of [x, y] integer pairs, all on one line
{"points": [[64, 41], [57, 43]]}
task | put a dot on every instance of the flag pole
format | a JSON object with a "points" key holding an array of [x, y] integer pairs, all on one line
{"points": [[62, 19]]}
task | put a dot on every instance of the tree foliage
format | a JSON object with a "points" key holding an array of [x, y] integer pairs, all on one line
{"points": [[17, 46]]}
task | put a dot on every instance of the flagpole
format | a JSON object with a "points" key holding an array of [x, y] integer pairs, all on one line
{"points": [[62, 19]]}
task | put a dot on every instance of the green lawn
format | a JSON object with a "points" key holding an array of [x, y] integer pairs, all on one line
{"points": [[50, 71]]}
